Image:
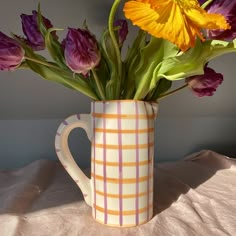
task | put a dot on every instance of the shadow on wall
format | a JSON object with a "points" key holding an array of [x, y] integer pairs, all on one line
{"points": [[24, 141], [181, 136], [226, 150]]}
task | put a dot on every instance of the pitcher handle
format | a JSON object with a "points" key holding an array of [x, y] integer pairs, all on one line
{"points": [[63, 152]]}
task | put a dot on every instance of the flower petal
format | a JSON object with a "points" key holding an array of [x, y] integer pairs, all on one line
{"points": [[227, 8], [206, 84], [11, 53], [178, 21], [81, 51]]}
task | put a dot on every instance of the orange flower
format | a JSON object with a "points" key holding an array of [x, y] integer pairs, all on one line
{"points": [[178, 21]]}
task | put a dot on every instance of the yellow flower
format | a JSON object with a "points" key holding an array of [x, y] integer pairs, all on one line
{"points": [[178, 21]]}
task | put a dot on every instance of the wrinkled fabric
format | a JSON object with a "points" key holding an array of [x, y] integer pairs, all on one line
{"points": [[194, 196]]}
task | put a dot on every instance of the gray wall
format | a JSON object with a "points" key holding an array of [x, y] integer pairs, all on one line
{"points": [[31, 108]]}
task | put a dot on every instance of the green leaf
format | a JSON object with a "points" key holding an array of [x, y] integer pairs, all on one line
{"points": [[110, 89], [23, 65], [41, 25], [54, 48], [102, 71], [168, 63], [162, 86], [131, 62], [151, 58], [138, 43], [51, 43], [52, 74], [109, 55], [193, 61], [179, 66]]}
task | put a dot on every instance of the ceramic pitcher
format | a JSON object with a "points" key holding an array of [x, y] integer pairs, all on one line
{"points": [[120, 189]]}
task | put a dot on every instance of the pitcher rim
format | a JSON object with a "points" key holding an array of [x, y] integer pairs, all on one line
{"points": [[123, 100]]}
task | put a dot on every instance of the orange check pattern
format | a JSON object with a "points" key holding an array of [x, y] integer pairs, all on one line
{"points": [[122, 161]]}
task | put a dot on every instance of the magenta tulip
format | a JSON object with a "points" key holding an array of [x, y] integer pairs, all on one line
{"points": [[30, 28], [206, 84], [122, 31], [227, 8], [11, 53], [81, 51]]}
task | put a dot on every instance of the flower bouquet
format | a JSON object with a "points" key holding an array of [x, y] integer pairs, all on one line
{"points": [[176, 41]]}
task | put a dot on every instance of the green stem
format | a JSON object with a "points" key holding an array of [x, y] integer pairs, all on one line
{"points": [[44, 63], [99, 86], [172, 92], [130, 93], [205, 4], [114, 42]]}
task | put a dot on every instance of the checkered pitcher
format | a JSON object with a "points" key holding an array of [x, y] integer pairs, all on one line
{"points": [[120, 190]]}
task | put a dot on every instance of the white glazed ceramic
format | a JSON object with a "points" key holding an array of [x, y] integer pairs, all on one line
{"points": [[120, 190]]}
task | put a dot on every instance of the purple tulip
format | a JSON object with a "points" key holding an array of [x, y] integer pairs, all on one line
{"points": [[30, 28], [206, 84], [11, 53], [122, 31], [201, 2], [227, 8], [81, 50]]}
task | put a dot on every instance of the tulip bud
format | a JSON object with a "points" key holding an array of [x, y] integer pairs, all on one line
{"points": [[11, 53], [81, 51], [122, 31], [31, 30], [206, 84]]}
